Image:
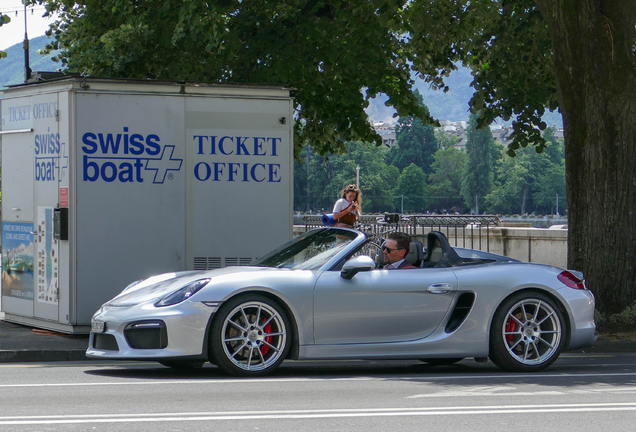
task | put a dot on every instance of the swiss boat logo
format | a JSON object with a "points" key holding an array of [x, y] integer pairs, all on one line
{"points": [[51, 157], [127, 157]]}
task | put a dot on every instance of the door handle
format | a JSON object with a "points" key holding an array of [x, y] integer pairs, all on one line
{"points": [[439, 288]]}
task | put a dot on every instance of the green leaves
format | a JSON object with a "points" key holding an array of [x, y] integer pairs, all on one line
{"points": [[508, 48], [481, 154], [3, 20], [412, 188], [327, 50]]}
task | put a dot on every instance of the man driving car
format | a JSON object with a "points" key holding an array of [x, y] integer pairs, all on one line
{"points": [[395, 249]]}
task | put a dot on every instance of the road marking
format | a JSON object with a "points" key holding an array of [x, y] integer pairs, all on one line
{"points": [[75, 364], [251, 381], [469, 393], [314, 414], [518, 375]]}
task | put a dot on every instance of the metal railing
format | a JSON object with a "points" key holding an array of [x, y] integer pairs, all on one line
{"points": [[461, 230]]}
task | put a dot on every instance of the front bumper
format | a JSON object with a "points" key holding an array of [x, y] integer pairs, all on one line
{"points": [[166, 332]]}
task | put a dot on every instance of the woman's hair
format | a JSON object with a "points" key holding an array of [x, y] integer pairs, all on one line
{"points": [[358, 197]]}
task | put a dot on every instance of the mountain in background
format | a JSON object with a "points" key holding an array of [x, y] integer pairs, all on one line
{"points": [[452, 105], [12, 67]]}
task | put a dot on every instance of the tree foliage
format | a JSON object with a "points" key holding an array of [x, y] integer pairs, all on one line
{"points": [[505, 43], [411, 190], [530, 180], [481, 154], [318, 180], [446, 180], [416, 142], [328, 51], [4, 19]]}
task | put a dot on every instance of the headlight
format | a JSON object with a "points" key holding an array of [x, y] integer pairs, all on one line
{"points": [[183, 293], [142, 283]]}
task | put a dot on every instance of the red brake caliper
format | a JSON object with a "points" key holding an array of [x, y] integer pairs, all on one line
{"points": [[268, 339], [511, 326]]}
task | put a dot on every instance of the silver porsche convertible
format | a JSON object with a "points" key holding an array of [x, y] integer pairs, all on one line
{"points": [[325, 295]]}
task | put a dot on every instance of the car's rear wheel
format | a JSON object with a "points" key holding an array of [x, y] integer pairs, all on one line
{"points": [[527, 333], [250, 336]]}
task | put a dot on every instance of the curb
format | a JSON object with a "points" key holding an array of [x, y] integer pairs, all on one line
{"points": [[26, 356], [605, 346]]}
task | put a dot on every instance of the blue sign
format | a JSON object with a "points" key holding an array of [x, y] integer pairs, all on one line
{"points": [[50, 155]]}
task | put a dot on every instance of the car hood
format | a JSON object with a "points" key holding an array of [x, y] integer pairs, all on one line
{"points": [[159, 286]]}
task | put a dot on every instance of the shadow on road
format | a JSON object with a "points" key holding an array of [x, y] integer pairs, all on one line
{"points": [[616, 369]]}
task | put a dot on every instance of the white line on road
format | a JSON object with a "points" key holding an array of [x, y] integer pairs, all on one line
{"points": [[251, 381], [488, 391], [485, 394], [315, 414]]}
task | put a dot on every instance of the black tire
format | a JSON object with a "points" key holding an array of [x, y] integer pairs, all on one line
{"points": [[442, 361], [182, 364], [255, 347], [527, 333]]}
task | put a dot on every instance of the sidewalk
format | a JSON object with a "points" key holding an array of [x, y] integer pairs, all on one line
{"points": [[20, 343]]}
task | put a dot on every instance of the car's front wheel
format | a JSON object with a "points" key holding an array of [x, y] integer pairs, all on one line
{"points": [[250, 336], [527, 333]]}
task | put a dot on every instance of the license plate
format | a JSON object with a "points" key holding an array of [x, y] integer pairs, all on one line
{"points": [[98, 326]]}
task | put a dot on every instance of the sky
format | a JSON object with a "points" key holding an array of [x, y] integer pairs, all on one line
{"points": [[13, 32]]}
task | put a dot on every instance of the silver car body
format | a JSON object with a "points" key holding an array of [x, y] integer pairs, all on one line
{"points": [[376, 314]]}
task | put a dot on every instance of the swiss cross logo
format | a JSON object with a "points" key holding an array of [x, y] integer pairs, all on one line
{"points": [[165, 163]]}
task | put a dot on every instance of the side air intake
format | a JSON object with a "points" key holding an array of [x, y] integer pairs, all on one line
{"points": [[460, 312]]}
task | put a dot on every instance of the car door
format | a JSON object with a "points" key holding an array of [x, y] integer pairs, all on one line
{"points": [[381, 306]]}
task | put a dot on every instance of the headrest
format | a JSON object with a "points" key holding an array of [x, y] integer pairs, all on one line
{"points": [[416, 253]]}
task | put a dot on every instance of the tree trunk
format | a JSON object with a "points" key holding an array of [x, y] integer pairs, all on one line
{"points": [[592, 43], [524, 200]]}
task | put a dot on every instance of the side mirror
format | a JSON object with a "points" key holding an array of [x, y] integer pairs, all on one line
{"points": [[356, 265]]}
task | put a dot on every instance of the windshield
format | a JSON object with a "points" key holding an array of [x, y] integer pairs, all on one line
{"points": [[309, 251]]}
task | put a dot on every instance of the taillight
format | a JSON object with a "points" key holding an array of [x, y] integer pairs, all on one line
{"points": [[572, 281]]}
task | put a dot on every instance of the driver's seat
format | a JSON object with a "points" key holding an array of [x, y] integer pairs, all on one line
{"points": [[416, 254]]}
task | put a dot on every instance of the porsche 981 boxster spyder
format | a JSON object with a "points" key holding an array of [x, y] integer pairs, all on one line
{"points": [[326, 295]]}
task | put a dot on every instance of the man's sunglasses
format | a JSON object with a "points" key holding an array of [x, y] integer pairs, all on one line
{"points": [[384, 248]]}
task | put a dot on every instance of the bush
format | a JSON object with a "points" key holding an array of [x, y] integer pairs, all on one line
{"points": [[617, 323]]}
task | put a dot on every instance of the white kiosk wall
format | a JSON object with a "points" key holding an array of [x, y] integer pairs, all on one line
{"points": [[156, 178]]}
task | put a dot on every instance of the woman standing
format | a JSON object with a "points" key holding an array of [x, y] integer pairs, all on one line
{"points": [[348, 209]]}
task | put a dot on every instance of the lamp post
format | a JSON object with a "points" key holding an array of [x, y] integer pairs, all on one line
{"points": [[358, 177], [25, 45]]}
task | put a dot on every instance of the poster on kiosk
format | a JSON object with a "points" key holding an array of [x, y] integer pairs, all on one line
{"points": [[108, 181]]}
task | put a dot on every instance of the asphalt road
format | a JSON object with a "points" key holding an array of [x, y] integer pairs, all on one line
{"points": [[580, 392]]}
